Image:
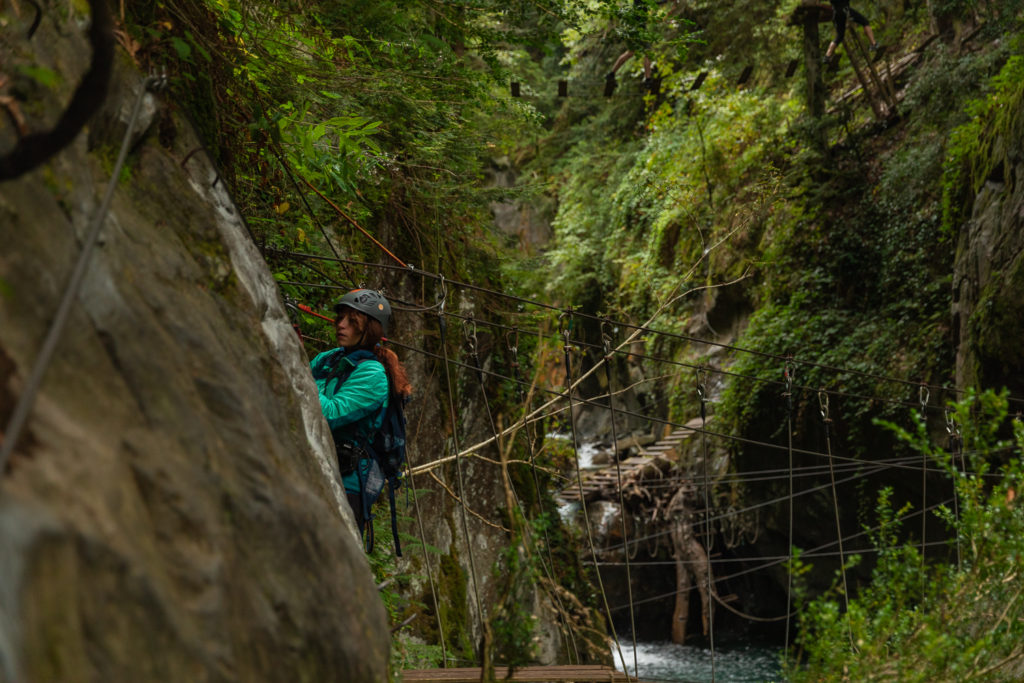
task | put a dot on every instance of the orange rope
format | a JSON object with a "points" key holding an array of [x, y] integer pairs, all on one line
{"points": [[306, 309], [353, 222]]}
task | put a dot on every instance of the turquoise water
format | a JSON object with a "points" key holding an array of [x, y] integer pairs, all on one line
{"points": [[671, 662]]}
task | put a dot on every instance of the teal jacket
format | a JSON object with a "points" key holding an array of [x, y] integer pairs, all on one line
{"points": [[353, 390]]}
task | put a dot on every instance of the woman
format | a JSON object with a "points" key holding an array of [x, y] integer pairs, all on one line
{"points": [[356, 381]]}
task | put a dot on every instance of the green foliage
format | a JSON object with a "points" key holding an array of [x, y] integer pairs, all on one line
{"points": [[927, 622], [406, 653], [453, 585], [743, 32], [996, 13], [637, 217], [394, 109], [512, 622], [389, 109], [45, 77], [972, 153]]}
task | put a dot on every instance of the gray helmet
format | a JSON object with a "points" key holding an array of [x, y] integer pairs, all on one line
{"points": [[370, 302]]}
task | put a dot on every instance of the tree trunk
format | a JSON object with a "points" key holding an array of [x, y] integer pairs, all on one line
{"points": [[682, 609], [691, 567], [814, 88]]}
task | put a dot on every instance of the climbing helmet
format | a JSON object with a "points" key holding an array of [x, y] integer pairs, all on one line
{"points": [[367, 301]]}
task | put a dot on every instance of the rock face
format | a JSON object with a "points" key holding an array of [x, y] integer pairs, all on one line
{"points": [[171, 511], [526, 221], [989, 275]]}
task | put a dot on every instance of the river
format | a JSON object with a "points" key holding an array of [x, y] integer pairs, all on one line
{"points": [[666, 661], [671, 662]]}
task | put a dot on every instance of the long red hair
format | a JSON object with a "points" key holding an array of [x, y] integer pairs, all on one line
{"points": [[372, 338]]}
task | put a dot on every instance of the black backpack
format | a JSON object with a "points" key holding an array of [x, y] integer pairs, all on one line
{"points": [[386, 452]]}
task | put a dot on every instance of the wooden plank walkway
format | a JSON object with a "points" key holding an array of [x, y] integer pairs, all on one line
{"points": [[526, 674], [601, 483]]}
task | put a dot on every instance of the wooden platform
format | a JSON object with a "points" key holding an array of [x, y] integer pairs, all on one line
{"points": [[602, 483], [534, 674]]}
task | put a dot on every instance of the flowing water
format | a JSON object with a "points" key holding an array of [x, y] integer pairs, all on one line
{"points": [[666, 661], [671, 662]]}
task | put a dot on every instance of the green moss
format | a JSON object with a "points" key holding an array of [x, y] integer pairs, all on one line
{"points": [[997, 326], [972, 151], [452, 584]]}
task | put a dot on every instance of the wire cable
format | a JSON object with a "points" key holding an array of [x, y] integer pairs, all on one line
{"points": [[689, 338], [647, 329], [22, 409], [569, 384], [606, 342], [442, 327]]}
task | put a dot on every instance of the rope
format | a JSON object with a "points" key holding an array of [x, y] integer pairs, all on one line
{"points": [[645, 329], [353, 222], [954, 431], [827, 420], [748, 617], [306, 309], [788, 374], [702, 391], [568, 637], [426, 561], [462, 503], [12, 431], [442, 327], [569, 384], [606, 342], [513, 501], [923, 396]]}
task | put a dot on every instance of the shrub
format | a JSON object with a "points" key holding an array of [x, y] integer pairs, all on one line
{"points": [[940, 621]]}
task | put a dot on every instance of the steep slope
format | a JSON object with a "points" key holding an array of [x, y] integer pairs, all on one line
{"points": [[171, 511]]}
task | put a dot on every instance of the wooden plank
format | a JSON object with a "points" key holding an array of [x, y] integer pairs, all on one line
{"points": [[529, 674]]}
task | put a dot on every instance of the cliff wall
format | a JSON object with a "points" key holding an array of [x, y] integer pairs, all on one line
{"points": [[171, 511]]}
